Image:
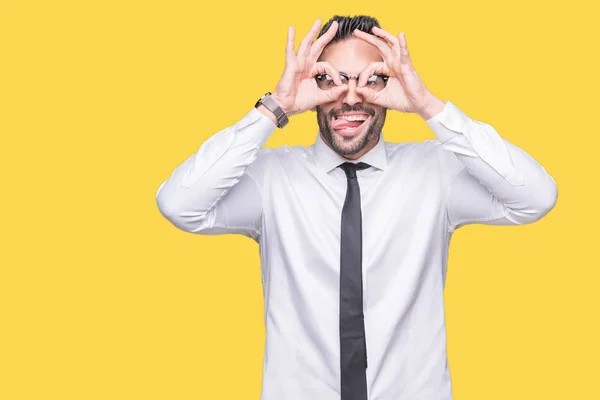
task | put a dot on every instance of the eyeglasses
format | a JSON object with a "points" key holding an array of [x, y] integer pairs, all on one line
{"points": [[375, 82]]}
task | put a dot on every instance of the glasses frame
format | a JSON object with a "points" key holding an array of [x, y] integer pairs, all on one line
{"points": [[357, 77]]}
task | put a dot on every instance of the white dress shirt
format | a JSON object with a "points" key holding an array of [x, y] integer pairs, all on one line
{"points": [[414, 195]]}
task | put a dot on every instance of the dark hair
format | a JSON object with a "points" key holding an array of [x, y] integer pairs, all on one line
{"points": [[347, 25]]}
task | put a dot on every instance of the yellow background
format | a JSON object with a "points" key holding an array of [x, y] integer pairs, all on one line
{"points": [[101, 298]]}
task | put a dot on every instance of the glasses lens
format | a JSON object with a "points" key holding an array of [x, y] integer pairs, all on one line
{"points": [[377, 82], [324, 81]]}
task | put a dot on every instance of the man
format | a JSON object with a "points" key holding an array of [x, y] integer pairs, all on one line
{"points": [[353, 230]]}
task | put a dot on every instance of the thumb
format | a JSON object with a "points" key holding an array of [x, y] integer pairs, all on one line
{"points": [[327, 96], [367, 94]]}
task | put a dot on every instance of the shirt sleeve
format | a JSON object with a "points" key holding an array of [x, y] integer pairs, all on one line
{"points": [[213, 191], [494, 182]]}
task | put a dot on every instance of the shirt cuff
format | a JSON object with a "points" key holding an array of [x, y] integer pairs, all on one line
{"points": [[448, 123], [256, 126]]}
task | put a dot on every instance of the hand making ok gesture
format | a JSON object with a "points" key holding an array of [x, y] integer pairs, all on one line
{"points": [[405, 91], [297, 90]]}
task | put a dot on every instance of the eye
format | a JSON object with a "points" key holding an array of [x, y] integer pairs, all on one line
{"points": [[372, 80], [324, 81], [328, 80]]}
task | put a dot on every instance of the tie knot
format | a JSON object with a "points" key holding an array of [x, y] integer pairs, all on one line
{"points": [[350, 168]]}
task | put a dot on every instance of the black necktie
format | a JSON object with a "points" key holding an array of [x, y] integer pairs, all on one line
{"points": [[353, 347]]}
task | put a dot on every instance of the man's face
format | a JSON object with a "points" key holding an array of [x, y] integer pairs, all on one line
{"points": [[350, 139]]}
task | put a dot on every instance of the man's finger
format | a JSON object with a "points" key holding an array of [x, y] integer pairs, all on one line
{"points": [[323, 67], [389, 37], [320, 43], [404, 54], [382, 45], [327, 96], [307, 41], [374, 67], [289, 48], [369, 95]]}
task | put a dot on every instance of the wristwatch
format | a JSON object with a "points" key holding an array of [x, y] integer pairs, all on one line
{"points": [[267, 101]]}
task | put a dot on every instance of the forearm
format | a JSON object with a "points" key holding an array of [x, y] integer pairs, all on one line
{"points": [[201, 181], [511, 175]]}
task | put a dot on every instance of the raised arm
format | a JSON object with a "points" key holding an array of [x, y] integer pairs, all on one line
{"points": [[213, 191], [493, 181], [216, 190]]}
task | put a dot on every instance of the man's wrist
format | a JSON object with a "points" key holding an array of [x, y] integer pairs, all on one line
{"points": [[433, 106], [270, 106], [278, 99], [266, 112]]}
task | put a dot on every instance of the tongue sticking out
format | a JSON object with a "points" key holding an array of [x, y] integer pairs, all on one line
{"points": [[342, 123]]}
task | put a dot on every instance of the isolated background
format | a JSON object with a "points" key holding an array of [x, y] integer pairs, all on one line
{"points": [[101, 298]]}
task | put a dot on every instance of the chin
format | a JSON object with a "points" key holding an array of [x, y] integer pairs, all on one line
{"points": [[349, 145], [350, 142]]}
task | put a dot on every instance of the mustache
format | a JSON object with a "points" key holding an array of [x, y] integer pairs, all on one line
{"points": [[348, 108]]}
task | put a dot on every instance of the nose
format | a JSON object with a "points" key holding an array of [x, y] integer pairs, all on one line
{"points": [[352, 96]]}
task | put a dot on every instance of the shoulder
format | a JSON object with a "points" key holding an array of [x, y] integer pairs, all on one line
{"points": [[283, 154], [429, 154], [271, 159], [428, 149]]}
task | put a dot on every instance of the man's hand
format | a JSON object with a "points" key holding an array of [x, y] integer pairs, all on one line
{"points": [[297, 90], [405, 91]]}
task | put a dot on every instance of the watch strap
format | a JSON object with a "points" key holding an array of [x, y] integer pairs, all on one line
{"points": [[271, 105]]}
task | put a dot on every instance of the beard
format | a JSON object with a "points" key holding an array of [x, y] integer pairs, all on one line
{"points": [[347, 146]]}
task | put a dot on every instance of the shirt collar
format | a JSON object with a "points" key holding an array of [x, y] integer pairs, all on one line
{"points": [[327, 159]]}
